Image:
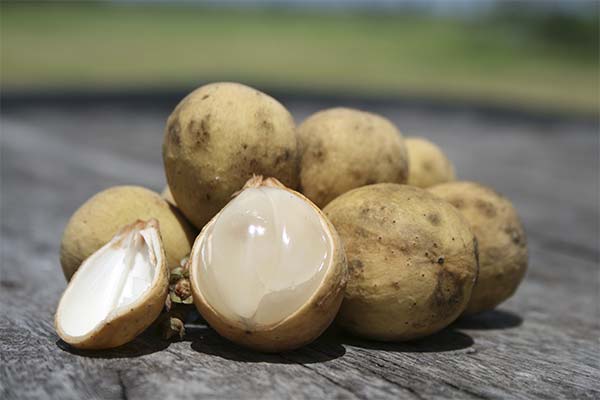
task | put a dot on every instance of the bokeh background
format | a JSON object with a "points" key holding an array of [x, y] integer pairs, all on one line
{"points": [[523, 54]]}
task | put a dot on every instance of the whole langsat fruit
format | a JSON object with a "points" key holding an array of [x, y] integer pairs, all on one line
{"points": [[342, 149], [501, 238], [217, 137], [104, 214], [428, 163], [412, 261]]}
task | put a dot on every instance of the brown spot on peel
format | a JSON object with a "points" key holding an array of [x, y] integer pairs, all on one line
{"points": [[486, 208], [434, 219], [174, 130]]}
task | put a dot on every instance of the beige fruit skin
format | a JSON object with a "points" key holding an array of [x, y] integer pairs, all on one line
{"points": [[129, 323], [342, 149], [217, 138], [168, 196], [501, 237], [299, 329], [412, 261], [100, 217], [428, 163]]}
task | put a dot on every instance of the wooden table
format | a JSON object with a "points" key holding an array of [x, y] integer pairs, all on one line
{"points": [[543, 343]]}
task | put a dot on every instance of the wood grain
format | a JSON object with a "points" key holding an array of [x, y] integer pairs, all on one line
{"points": [[543, 343]]}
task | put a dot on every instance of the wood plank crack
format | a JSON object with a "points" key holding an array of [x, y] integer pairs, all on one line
{"points": [[122, 385], [337, 384], [463, 390], [408, 389]]}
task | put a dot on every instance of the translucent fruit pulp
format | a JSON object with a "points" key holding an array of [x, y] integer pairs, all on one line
{"points": [[264, 256]]}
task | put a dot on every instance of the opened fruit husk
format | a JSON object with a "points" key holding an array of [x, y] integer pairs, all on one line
{"points": [[117, 292]]}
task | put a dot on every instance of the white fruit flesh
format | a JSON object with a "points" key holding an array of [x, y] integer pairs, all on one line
{"points": [[263, 256], [110, 280]]}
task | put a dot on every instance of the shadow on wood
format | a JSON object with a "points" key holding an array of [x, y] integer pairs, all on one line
{"points": [[446, 340], [207, 341], [10, 285], [327, 347], [489, 320], [147, 343]]}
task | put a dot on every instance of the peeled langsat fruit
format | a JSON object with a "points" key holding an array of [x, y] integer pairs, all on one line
{"points": [[268, 271]]}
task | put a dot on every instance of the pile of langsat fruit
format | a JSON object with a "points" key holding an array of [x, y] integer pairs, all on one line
{"points": [[379, 236]]}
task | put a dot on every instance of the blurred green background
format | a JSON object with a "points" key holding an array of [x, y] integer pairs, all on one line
{"points": [[517, 54]]}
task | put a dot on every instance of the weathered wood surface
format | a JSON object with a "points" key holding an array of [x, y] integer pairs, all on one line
{"points": [[542, 343]]}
